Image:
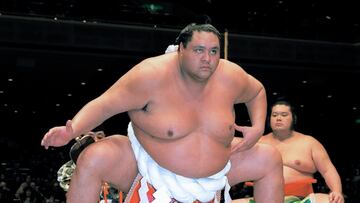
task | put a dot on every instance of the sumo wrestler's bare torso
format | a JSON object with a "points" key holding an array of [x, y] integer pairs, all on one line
{"points": [[187, 133]]}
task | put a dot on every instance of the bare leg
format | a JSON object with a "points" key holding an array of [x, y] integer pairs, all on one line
{"points": [[322, 198], [108, 160], [263, 165]]}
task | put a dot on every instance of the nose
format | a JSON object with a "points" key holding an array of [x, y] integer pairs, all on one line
{"points": [[206, 56]]}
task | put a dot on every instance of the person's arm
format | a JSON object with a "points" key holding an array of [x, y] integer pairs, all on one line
{"points": [[257, 105], [328, 171], [254, 97], [128, 93]]}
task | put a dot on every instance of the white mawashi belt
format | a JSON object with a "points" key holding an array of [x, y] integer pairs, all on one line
{"points": [[169, 185]]}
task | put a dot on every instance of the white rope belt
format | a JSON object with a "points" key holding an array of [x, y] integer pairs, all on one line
{"points": [[169, 185]]}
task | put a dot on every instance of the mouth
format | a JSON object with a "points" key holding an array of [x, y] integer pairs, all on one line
{"points": [[278, 124], [205, 67]]}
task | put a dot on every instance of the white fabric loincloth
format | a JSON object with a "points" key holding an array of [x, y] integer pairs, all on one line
{"points": [[170, 185]]}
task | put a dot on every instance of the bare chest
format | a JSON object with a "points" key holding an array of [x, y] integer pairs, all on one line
{"points": [[176, 116], [297, 156]]}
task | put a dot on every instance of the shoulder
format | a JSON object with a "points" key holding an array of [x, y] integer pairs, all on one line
{"points": [[308, 139], [144, 73], [232, 74], [266, 138], [237, 79], [231, 68], [149, 66]]}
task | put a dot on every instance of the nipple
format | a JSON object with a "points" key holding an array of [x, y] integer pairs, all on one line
{"points": [[170, 133]]}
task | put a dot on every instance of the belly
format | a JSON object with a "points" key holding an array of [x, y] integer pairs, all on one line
{"points": [[193, 156], [293, 175], [189, 143]]}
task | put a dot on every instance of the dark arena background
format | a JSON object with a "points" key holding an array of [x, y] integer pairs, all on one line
{"points": [[57, 55]]}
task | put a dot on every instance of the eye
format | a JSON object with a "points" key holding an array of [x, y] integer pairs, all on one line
{"points": [[213, 51], [199, 50]]}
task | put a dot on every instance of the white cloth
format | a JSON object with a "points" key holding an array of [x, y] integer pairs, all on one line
{"points": [[170, 185], [171, 48]]}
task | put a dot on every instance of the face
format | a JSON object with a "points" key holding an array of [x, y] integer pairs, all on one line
{"points": [[201, 56], [97, 135], [281, 118]]}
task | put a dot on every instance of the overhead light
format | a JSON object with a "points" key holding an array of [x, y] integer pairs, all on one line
{"points": [[153, 8]]}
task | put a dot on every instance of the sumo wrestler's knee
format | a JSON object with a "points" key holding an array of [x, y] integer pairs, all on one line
{"points": [[271, 157], [90, 160]]}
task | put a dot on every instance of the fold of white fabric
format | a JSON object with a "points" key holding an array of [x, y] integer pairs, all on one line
{"points": [[171, 48], [170, 185]]}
